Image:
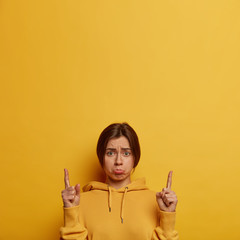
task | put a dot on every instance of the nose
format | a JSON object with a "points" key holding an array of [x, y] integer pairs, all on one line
{"points": [[118, 160]]}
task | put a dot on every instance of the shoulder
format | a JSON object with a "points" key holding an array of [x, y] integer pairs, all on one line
{"points": [[145, 195], [91, 193], [149, 194]]}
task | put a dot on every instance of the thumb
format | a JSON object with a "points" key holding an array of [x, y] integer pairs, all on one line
{"points": [[159, 194], [77, 189]]}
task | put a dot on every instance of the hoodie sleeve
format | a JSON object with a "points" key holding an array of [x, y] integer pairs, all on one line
{"points": [[165, 230], [73, 229]]}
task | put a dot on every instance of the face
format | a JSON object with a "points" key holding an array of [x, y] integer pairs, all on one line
{"points": [[118, 162]]}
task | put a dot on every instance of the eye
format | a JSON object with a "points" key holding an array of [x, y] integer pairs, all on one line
{"points": [[126, 153], [110, 153]]}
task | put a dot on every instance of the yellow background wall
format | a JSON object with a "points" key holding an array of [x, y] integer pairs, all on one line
{"points": [[171, 69]]}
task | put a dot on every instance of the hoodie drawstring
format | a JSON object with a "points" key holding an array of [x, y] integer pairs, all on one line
{"points": [[123, 201], [109, 199], [122, 204]]}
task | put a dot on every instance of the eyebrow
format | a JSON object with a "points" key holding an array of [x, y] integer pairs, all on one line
{"points": [[115, 148]]}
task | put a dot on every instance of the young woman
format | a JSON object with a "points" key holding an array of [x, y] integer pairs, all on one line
{"points": [[119, 208]]}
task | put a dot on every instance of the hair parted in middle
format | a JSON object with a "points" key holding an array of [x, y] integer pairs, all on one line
{"points": [[116, 130]]}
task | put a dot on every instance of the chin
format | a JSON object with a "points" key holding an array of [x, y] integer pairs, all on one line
{"points": [[119, 177]]}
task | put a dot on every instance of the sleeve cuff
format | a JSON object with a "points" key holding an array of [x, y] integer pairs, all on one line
{"points": [[167, 221], [71, 216]]}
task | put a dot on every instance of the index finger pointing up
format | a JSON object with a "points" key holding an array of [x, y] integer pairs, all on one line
{"points": [[169, 181], [66, 178]]}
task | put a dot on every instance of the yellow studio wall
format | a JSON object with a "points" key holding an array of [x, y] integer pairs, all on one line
{"points": [[169, 68]]}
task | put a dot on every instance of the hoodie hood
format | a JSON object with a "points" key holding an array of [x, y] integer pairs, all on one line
{"points": [[136, 185]]}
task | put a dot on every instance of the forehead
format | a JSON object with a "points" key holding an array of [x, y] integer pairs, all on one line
{"points": [[118, 142]]}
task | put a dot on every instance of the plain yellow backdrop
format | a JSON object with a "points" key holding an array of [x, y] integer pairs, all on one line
{"points": [[171, 69]]}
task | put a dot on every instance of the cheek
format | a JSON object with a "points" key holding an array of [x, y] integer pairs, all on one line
{"points": [[107, 163], [131, 163]]}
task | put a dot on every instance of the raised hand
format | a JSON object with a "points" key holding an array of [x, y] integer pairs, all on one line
{"points": [[167, 199], [71, 194]]}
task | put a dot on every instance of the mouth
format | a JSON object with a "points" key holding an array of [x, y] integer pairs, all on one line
{"points": [[118, 171]]}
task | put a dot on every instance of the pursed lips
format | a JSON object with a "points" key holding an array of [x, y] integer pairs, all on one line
{"points": [[118, 171]]}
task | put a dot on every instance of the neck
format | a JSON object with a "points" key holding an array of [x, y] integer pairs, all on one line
{"points": [[118, 184]]}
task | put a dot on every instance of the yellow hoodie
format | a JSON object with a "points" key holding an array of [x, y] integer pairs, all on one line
{"points": [[128, 213]]}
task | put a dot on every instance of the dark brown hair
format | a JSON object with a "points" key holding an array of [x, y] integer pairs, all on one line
{"points": [[117, 130]]}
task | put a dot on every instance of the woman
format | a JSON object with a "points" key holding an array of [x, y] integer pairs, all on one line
{"points": [[119, 208]]}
